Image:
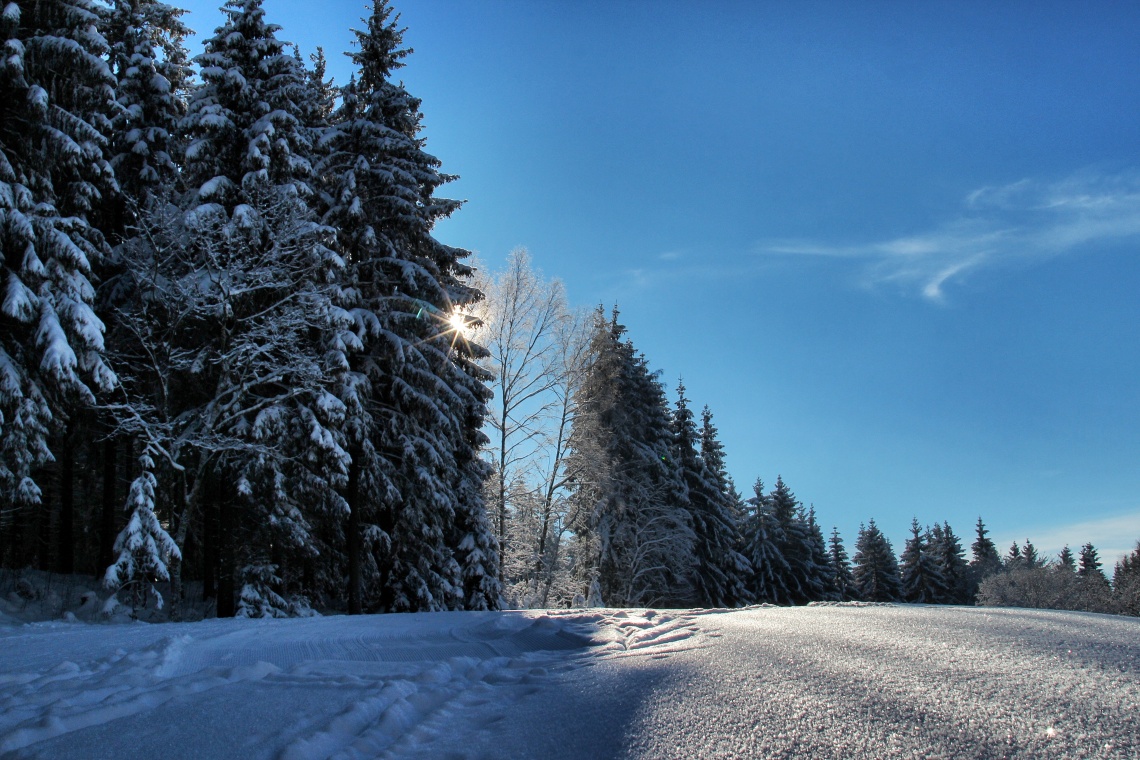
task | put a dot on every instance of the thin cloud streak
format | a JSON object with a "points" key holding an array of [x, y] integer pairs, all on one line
{"points": [[1019, 223], [1113, 537]]}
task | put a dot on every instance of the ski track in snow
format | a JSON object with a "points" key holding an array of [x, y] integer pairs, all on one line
{"points": [[853, 681], [393, 680]]}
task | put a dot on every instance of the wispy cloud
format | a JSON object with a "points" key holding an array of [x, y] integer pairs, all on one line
{"points": [[1021, 222], [1113, 537]]}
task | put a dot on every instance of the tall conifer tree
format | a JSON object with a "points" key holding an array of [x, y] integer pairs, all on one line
{"points": [[841, 567], [921, 579], [56, 93], [634, 527], [764, 538], [875, 568], [417, 399], [716, 574]]}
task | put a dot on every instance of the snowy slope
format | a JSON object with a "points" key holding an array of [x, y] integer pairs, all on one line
{"points": [[822, 681]]}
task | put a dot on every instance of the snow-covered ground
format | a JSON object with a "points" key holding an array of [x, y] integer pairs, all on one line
{"points": [[814, 682]]}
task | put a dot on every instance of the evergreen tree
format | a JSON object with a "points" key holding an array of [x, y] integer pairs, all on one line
{"points": [[1029, 555], [634, 525], [144, 547], [763, 539], [1090, 563], [1013, 557], [236, 383], [718, 566], [417, 399], [841, 567], [803, 579], [986, 560], [56, 91], [825, 576], [946, 549], [922, 582], [1126, 583], [1066, 560], [149, 60], [735, 565], [875, 568]]}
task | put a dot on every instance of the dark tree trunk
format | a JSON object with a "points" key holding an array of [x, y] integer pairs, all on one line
{"points": [[65, 537], [110, 505], [210, 552], [353, 537], [225, 547], [43, 540]]}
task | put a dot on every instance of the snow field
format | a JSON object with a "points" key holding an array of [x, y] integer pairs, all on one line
{"points": [[296, 689], [826, 681]]}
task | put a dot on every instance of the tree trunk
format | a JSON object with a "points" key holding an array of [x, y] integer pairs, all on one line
{"points": [[43, 541], [110, 505], [226, 606], [65, 538], [181, 535], [353, 537], [225, 546]]}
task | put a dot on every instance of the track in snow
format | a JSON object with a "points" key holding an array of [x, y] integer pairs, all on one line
{"points": [[816, 682], [357, 686]]}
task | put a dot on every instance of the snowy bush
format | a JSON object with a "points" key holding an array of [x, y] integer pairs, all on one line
{"points": [[259, 599], [1050, 588]]}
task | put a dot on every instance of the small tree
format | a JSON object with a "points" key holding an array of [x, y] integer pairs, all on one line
{"points": [[143, 547]]}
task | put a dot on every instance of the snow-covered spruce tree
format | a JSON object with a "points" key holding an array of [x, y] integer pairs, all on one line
{"points": [[1090, 562], [149, 60], [1013, 558], [841, 567], [984, 561], [716, 570], [233, 383], [821, 561], [1029, 555], [633, 525], [1095, 589], [763, 538], [875, 568], [1066, 560], [144, 548], [726, 506], [946, 548], [224, 377], [803, 580], [416, 397], [56, 91], [921, 579], [1126, 584]]}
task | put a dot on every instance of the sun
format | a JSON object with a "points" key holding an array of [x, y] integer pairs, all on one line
{"points": [[458, 323]]}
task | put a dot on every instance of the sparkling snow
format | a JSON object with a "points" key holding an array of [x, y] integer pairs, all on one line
{"points": [[842, 681]]}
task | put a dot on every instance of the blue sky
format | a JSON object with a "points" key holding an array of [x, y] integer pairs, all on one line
{"points": [[894, 246]]}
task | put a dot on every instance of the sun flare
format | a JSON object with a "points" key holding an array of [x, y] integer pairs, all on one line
{"points": [[458, 323]]}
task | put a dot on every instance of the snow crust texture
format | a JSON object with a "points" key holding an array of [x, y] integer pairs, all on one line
{"points": [[817, 682]]}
